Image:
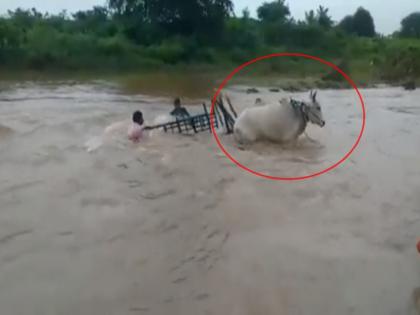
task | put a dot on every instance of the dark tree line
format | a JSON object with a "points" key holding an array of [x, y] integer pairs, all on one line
{"points": [[360, 24], [410, 26], [162, 18], [135, 33]]}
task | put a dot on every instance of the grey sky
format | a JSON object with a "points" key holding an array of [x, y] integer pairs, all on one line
{"points": [[387, 14]]}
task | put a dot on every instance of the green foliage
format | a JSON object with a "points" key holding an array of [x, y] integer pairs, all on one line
{"points": [[347, 24], [170, 51], [334, 75], [363, 24], [401, 60], [177, 17], [274, 12], [140, 34], [242, 33], [410, 26], [360, 24], [275, 21], [97, 20], [323, 18], [310, 18], [9, 35]]}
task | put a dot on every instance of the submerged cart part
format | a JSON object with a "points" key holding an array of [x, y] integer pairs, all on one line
{"points": [[201, 122]]}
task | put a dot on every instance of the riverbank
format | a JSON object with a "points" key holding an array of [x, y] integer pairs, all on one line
{"points": [[195, 81]]}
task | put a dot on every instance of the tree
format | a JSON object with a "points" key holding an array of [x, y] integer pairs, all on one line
{"points": [[410, 25], [97, 20], [246, 15], [363, 24], [360, 24], [128, 7], [99, 14], [25, 18], [181, 17], [9, 35], [275, 21], [346, 24], [276, 11], [241, 35], [310, 18], [323, 17]]}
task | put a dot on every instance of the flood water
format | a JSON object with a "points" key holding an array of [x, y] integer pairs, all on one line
{"points": [[92, 224]]}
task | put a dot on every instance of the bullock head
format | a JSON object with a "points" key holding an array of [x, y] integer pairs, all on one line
{"points": [[314, 111]]}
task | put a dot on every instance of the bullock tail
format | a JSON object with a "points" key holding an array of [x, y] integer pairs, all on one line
{"points": [[229, 117]]}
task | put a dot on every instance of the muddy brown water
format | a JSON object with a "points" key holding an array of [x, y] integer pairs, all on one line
{"points": [[171, 226]]}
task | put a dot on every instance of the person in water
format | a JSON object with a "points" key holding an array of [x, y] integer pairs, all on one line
{"points": [[179, 112], [136, 129]]}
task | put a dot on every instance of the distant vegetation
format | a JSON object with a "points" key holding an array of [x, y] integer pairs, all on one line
{"points": [[155, 34]]}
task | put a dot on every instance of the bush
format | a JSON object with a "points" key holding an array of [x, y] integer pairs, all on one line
{"points": [[170, 52], [401, 60], [242, 34], [114, 46]]}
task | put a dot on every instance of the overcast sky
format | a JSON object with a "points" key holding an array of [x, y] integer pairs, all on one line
{"points": [[387, 13]]}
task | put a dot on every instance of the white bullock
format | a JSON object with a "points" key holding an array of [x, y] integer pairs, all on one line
{"points": [[280, 122]]}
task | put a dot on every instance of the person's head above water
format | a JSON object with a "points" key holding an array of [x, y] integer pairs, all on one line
{"points": [[177, 102], [138, 117]]}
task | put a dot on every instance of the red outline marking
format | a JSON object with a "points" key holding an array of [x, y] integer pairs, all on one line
{"points": [[232, 74]]}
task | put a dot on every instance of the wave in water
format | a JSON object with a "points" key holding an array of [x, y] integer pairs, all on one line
{"points": [[162, 119]]}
